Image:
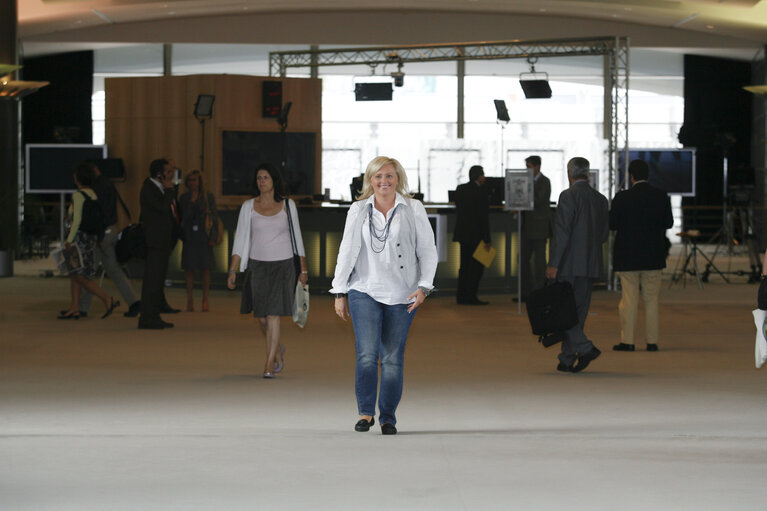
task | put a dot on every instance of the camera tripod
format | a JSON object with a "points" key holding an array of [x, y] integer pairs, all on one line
{"points": [[725, 237], [690, 251]]}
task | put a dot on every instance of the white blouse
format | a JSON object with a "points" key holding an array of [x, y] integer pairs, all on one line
{"points": [[246, 237], [378, 268]]}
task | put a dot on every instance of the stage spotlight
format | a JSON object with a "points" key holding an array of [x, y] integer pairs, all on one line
{"points": [[203, 109], [535, 85], [500, 109], [398, 76]]}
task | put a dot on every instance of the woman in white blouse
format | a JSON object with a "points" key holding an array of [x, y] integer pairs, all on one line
{"points": [[263, 247], [385, 270]]}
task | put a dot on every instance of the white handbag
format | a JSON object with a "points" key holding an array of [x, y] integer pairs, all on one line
{"points": [[301, 304], [760, 318]]}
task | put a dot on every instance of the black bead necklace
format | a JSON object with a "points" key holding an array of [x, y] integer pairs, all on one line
{"points": [[380, 235]]}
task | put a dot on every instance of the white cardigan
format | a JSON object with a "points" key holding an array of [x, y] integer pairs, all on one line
{"points": [[242, 239], [415, 242]]}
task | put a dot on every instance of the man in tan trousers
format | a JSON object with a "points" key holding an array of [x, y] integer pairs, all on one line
{"points": [[640, 217]]}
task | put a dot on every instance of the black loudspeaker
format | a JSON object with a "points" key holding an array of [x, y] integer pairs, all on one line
{"points": [[271, 99], [536, 89], [113, 168], [373, 91]]}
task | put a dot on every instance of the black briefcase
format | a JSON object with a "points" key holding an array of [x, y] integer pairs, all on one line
{"points": [[551, 310], [131, 244]]}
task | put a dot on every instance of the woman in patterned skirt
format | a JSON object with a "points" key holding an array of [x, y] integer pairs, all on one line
{"points": [[83, 277]]}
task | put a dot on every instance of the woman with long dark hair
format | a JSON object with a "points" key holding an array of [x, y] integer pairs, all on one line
{"points": [[83, 277], [263, 248]]}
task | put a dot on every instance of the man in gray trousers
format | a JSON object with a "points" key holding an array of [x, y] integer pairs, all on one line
{"points": [[580, 229], [107, 198]]}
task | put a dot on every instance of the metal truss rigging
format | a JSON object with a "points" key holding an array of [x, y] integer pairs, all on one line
{"points": [[615, 51]]}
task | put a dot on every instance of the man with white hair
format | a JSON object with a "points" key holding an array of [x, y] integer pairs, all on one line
{"points": [[580, 230]]}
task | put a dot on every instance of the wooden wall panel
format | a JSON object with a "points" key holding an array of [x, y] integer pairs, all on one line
{"points": [[152, 117]]}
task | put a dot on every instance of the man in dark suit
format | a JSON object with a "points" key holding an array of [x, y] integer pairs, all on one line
{"points": [[536, 230], [174, 175], [472, 226], [580, 229], [157, 220], [640, 217]]}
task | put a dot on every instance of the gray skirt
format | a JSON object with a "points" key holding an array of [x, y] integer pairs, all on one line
{"points": [[269, 288]]}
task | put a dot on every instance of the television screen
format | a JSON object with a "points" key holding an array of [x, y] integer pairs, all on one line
{"points": [[243, 150], [49, 167], [495, 189], [671, 170]]}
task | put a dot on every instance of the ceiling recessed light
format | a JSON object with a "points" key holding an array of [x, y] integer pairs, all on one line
{"points": [[542, 10], [710, 27]]}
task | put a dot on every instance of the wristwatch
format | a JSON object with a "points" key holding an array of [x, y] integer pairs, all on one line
{"points": [[426, 292], [340, 295]]}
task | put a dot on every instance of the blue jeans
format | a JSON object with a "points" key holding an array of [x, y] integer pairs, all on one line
{"points": [[380, 330]]}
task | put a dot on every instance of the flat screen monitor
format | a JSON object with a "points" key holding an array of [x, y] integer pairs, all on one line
{"points": [[496, 188], [671, 170], [49, 167], [243, 150]]}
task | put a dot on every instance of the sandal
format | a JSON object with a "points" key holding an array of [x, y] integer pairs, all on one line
{"points": [[112, 306], [69, 315]]}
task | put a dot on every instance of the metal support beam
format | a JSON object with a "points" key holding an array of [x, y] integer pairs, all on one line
{"points": [[315, 70], [167, 59], [279, 62], [460, 75]]}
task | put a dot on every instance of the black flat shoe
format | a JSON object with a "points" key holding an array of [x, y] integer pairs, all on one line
{"points": [[651, 346], [623, 347], [585, 359], [561, 367], [133, 310], [112, 306], [69, 315], [363, 425], [388, 429]]}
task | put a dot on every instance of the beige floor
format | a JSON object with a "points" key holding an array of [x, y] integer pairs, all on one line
{"points": [[97, 415]]}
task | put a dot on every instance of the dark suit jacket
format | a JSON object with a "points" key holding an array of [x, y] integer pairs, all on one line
{"points": [[472, 205], [640, 216], [536, 224], [580, 229], [156, 215]]}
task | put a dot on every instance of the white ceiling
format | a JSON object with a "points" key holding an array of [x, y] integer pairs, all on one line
{"points": [[736, 28]]}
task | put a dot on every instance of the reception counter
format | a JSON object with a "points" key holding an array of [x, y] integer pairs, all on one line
{"points": [[322, 227]]}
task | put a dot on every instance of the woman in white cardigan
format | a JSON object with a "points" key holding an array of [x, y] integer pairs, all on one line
{"points": [[385, 269], [263, 248]]}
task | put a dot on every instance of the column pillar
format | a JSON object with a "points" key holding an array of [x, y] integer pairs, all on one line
{"points": [[9, 145], [460, 74]]}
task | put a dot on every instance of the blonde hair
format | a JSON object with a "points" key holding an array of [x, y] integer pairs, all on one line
{"points": [[192, 174], [377, 164]]}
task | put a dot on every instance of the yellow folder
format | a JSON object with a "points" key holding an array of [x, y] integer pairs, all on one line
{"points": [[483, 255]]}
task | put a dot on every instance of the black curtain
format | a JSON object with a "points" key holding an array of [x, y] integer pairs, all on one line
{"points": [[717, 121], [60, 112]]}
